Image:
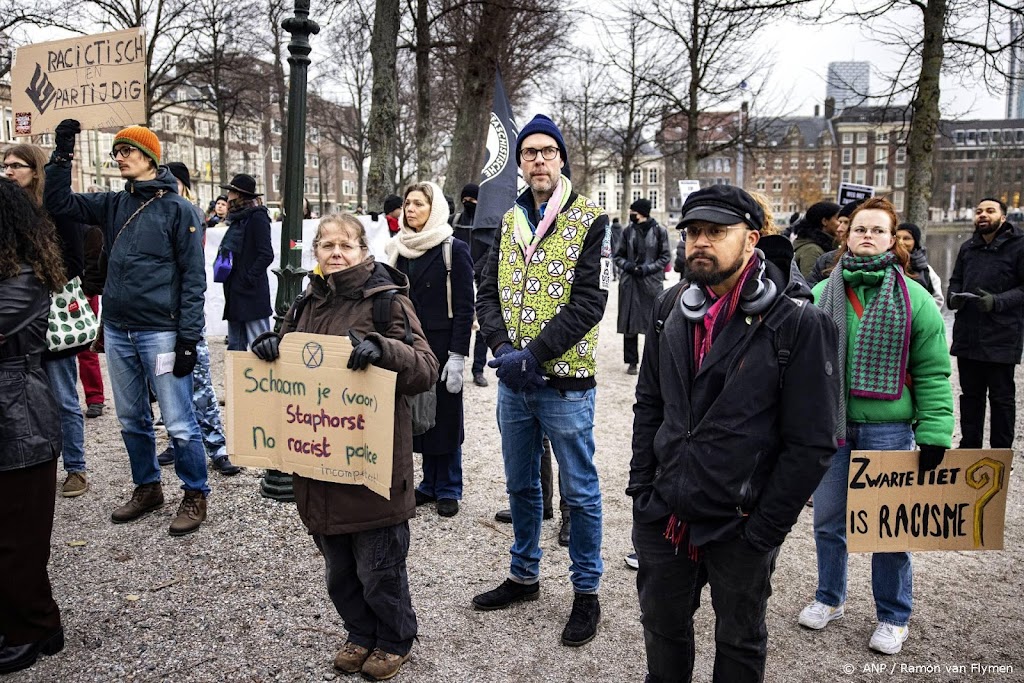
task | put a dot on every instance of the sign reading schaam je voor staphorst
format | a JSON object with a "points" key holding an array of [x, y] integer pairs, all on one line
{"points": [[307, 414]]}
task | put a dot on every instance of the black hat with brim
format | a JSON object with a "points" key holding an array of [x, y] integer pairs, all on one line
{"points": [[243, 184]]}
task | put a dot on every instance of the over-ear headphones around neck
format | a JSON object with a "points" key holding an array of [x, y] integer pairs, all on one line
{"points": [[756, 297]]}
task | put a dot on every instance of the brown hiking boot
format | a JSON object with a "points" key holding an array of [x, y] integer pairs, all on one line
{"points": [[74, 485], [380, 665], [350, 658], [146, 498], [191, 513]]}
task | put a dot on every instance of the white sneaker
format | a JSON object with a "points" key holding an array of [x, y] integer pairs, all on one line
{"points": [[888, 639], [817, 615], [632, 561]]}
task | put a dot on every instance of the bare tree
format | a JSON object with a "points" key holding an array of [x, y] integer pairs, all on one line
{"points": [[350, 78], [225, 77], [170, 26], [966, 39], [17, 18], [714, 68], [579, 107], [384, 101]]}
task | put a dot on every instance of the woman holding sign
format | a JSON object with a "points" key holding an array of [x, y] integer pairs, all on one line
{"points": [[363, 537], [440, 271], [882, 315]]}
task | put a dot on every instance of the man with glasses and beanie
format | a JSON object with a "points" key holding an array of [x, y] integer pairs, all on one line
{"points": [[542, 295], [724, 455], [247, 289], [152, 313]]}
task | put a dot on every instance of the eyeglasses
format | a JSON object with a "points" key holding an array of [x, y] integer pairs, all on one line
{"points": [[861, 231], [125, 152], [344, 247], [14, 167], [530, 154], [714, 233]]}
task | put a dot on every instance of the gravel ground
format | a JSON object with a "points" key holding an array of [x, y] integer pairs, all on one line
{"points": [[243, 599]]}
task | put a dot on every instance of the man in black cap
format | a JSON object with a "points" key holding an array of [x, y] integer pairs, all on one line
{"points": [[392, 210], [642, 256], [247, 288], [724, 457]]}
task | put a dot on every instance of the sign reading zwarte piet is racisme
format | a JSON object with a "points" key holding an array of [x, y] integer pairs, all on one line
{"points": [[893, 506], [308, 414], [100, 80]]}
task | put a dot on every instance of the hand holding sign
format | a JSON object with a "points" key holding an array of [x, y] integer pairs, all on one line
{"points": [[364, 352]]}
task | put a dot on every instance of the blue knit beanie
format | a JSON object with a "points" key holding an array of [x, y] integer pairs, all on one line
{"points": [[542, 124]]}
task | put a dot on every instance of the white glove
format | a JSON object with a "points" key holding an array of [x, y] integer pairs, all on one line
{"points": [[453, 371]]}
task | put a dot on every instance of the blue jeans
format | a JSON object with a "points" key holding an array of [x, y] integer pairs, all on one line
{"points": [[63, 376], [567, 417], [241, 334], [204, 402], [131, 361], [892, 578], [442, 475]]}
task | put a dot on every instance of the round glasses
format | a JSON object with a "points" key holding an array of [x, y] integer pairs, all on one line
{"points": [[530, 153], [125, 152]]}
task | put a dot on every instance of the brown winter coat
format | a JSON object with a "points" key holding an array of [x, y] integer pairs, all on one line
{"points": [[336, 305]]}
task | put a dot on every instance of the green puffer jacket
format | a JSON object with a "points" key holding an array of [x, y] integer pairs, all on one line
{"points": [[927, 400]]}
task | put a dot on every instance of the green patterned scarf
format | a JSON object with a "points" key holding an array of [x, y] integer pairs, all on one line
{"points": [[878, 368]]}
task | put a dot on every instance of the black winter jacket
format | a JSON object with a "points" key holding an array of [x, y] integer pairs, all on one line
{"points": [[247, 289], [29, 423], [730, 448], [156, 273], [997, 268]]}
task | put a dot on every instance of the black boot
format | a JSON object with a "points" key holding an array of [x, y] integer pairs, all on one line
{"points": [[563, 531], [18, 657], [504, 595], [582, 625]]}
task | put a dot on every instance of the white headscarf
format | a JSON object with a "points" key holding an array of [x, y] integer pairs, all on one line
{"points": [[412, 244]]}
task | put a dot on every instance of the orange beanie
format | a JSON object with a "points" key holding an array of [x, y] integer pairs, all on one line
{"points": [[142, 138]]}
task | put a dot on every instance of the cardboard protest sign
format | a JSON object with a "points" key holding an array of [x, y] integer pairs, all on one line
{"points": [[961, 505], [850, 192], [99, 80], [307, 414]]}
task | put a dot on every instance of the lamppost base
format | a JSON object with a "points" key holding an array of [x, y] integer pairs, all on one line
{"points": [[278, 486]]}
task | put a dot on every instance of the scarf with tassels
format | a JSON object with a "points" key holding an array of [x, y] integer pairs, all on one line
{"points": [[704, 333], [878, 368], [527, 238]]}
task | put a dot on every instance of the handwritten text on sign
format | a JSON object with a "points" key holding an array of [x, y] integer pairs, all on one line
{"points": [[99, 80], [893, 506], [307, 414]]}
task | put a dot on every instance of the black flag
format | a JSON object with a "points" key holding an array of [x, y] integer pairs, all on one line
{"points": [[499, 178]]}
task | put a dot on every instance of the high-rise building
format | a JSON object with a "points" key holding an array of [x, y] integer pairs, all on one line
{"points": [[1015, 84], [848, 83]]}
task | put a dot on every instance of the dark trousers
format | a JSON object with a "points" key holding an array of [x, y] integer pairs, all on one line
{"points": [[479, 353], [368, 583], [630, 349], [28, 612], [547, 479], [669, 584], [996, 379]]}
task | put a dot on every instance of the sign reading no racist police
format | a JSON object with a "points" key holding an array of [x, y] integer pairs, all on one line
{"points": [[99, 80]]}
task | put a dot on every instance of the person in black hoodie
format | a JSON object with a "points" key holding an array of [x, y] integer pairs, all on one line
{"points": [[987, 292], [247, 290], [24, 165]]}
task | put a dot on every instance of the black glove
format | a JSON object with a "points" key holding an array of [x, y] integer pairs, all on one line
{"points": [[931, 457], [504, 348], [961, 300], [184, 358], [64, 139], [267, 346], [986, 301], [364, 352]]}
